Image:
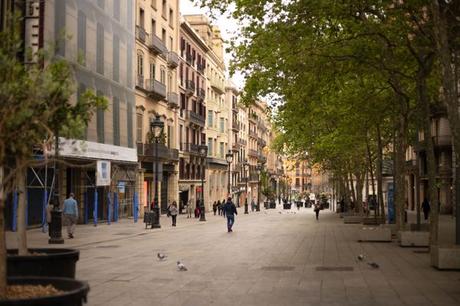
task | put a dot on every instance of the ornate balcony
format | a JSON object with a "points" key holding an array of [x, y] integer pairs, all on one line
{"points": [[188, 58], [189, 87], [218, 85], [200, 68], [253, 134], [155, 89], [235, 126], [253, 153], [201, 93], [189, 147], [157, 45], [140, 81], [195, 118], [141, 34], [173, 100], [146, 152], [173, 59]]}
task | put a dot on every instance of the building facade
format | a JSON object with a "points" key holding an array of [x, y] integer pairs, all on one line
{"points": [[234, 144], [157, 44], [192, 110], [97, 37]]}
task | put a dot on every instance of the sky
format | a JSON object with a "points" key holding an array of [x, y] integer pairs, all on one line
{"points": [[226, 25]]}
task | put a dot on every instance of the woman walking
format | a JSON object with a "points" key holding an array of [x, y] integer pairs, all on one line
{"points": [[173, 212], [317, 210]]}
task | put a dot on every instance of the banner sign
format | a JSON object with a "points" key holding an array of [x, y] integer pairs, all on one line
{"points": [[103, 173]]}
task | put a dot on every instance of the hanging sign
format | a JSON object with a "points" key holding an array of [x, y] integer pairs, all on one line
{"points": [[103, 173]]}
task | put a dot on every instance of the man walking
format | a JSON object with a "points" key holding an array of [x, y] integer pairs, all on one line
{"points": [[426, 208], [70, 212], [230, 211], [317, 209]]}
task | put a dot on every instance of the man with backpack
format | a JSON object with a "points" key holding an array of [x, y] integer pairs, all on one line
{"points": [[230, 212]]}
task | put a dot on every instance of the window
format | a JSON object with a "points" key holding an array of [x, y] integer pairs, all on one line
{"points": [[163, 75], [222, 125], [170, 135], [297, 182], [152, 69], [153, 3], [116, 9], [81, 38], [171, 43], [171, 18], [163, 36], [210, 152], [164, 8], [141, 18], [116, 58], [181, 127], [139, 123], [100, 121], [181, 74], [153, 30], [210, 115], [140, 64], [116, 121], [221, 151], [100, 49]]}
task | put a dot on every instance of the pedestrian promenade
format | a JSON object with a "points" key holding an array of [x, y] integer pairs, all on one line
{"points": [[273, 257]]}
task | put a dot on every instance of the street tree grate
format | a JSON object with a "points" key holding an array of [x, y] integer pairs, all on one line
{"points": [[278, 268], [421, 251], [107, 246], [335, 269]]}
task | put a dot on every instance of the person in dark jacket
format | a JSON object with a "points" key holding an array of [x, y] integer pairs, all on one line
{"points": [[214, 207], [426, 208], [230, 211]]}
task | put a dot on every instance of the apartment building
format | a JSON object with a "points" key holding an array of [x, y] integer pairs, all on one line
{"points": [[97, 37], [191, 119], [243, 135], [231, 96], [157, 44]]}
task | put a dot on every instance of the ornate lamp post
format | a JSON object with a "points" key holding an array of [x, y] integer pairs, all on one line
{"points": [[203, 149], [156, 128], [229, 158], [259, 171], [246, 165]]}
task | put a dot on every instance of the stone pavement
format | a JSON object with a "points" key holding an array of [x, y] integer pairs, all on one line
{"points": [[271, 258]]}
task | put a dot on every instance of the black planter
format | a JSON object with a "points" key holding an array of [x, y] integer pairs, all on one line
{"points": [[272, 205], [74, 295], [50, 263], [286, 206]]}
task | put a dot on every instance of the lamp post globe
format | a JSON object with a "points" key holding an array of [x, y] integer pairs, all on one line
{"points": [[203, 151], [156, 128], [245, 166], [229, 158]]}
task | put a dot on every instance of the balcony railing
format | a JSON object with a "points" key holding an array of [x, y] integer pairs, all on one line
{"points": [[155, 88], [200, 68], [173, 99], [236, 147], [201, 93], [190, 87], [140, 81], [235, 126], [195, 118], [218, 85], [261, 142], [157, 45], [252, 133], [141, 34], [189, 147], [188, 58], [253, 153], [147, 152], [242, 142], [173, 59]]}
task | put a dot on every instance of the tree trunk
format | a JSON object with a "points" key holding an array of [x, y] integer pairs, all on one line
{"points": [[22, 207], [359, 192], [2, 237], [399, 172], [450, 96], [352, 190], [379, 170]]}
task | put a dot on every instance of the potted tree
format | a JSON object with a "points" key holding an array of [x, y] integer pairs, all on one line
{"points": [[35, 109]]}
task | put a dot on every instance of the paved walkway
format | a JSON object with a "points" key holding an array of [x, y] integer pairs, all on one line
{"points": [[271, 258]]}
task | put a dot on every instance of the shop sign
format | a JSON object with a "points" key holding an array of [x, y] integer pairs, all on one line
{"points": [[121, 187], [103, 173]]}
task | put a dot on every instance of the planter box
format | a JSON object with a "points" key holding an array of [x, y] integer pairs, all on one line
{"points": [[50, 263], [373, 221], [376, 234], [352, 219], [445, 257], [75, 292], [414, 239], [423, 227], [286, 206]]}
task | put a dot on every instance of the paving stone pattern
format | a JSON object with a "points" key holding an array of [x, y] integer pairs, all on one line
{"points": [[269, 259]]}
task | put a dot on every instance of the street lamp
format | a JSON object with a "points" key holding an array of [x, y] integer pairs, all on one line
{"points": [[156, 128], [229, 158], [203, 150], [246, 165], [259, 171]]}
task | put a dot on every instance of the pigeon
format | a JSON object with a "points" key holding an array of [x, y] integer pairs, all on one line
{"points": [[181, 267], [161, 256], [373, 265], [361, 257]]}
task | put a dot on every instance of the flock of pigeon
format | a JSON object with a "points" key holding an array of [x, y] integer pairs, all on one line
{"points": [[371, 264], [180, 266]]}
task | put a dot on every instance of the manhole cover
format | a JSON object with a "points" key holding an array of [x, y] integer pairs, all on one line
{"points": [[278, 268], [421, 251], [339, 269], [107, 246]]}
